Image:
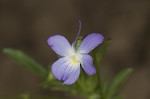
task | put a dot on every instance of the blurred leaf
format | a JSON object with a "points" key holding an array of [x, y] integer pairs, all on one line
{"points": [[25, 96], [99, 55], [86, 86], [55, 85], [25, 62], [117, 97], [120, 78], [49, 81], [106, 84], [28, 96], [93, 96]]}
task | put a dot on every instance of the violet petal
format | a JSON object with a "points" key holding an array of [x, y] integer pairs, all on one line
{"points": [[59, 67], [90, 42], [87, 65], [73, 77], [59, 44], [64, 68]]}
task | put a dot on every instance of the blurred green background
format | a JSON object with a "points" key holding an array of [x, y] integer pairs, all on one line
{"points": [[26, 25]]}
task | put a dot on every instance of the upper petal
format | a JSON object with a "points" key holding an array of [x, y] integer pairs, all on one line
{"points": [[87, 64], [90, 42], [64, 68], [60, 45]]}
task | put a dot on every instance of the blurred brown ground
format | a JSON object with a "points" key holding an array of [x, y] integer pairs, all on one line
{"points": [[26, 25]]}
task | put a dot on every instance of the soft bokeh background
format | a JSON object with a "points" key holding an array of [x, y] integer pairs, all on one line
{"points": [[26, 25]]}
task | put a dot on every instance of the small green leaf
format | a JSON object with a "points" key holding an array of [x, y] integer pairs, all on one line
{"points": [[99, 55], [25, 62], [120, 78]]}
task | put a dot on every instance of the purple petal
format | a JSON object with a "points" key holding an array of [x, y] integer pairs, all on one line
{"points": [[59, 67], [59, 44], [90, 42], [87, 65], [73, 77], [63, 68]]}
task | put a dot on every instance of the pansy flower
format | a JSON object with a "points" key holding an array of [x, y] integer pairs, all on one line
{"points": [[67, 68]]}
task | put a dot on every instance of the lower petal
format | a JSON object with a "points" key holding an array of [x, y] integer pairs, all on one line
{"points": [[64, 68], [73, 77], [87, 64], [59, 67]]}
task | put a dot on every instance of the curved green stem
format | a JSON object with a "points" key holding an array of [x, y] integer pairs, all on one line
{"points": [[99, 81], [100, 84]]}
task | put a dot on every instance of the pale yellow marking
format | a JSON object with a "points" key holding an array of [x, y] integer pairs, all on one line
{"points": [[74, 60]]}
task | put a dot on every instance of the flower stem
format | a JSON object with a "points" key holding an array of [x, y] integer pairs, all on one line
{"points": [[99, 81], [100, 86]]}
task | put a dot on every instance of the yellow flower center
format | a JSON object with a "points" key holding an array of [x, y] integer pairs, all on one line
{"points": [[75, 60]]}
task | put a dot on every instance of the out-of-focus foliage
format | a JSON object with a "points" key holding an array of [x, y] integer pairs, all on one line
{"points": [[113, 89], [100, 53], [90, 87], [28, 96], [25, 62]]}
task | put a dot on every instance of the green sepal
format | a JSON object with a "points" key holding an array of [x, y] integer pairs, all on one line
{"points": [[78, 42]]}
